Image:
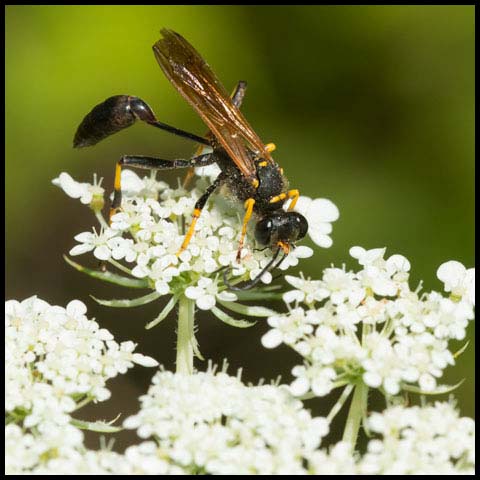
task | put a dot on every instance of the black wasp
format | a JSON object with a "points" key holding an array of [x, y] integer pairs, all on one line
{"points": [[247, 168]]}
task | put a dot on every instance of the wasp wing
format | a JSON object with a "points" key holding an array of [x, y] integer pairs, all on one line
{"points": [[197, 83]]}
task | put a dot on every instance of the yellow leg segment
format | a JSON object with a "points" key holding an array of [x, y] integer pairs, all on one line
{"points": [[117, 186], [293, 194], [248, 214], [270, 147], [191, 229], [277, 198]]}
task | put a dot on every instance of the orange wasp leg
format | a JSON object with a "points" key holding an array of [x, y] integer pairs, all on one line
{"points": [[248, 214], [294, 195], [198, 210]]}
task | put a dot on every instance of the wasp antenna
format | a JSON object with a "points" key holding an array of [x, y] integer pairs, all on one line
{"points": [[253, 282]]}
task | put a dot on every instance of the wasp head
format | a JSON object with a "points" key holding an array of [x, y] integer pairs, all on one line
{"points": [[281, 228]]}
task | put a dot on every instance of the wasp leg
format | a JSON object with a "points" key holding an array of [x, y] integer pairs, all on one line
{"points": [[248, 214], [237, 98], [239, 93], [150, 163], [294, 195], [198, 210], [278, 198], [252, 283], [270, 147]]}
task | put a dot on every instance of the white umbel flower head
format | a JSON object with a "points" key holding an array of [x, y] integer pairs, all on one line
{"points": [[404, 337], [212, 423], [430, 440], [145, 237], [55, 355], [56, 359]]}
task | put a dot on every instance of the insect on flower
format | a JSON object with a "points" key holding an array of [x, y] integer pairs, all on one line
{"points": [[248, 170]]}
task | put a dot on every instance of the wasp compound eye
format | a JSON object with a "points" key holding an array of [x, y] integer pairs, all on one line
{"points": [[301, 224], [263, 231]]}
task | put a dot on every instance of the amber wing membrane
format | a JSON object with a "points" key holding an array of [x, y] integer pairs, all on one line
{"points": [[197, 83]]}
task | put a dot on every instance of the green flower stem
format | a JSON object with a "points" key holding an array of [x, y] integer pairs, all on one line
{"points": [[358, 410], [340, 402], [185, 335], [101, 220], [119, 266], [83, 402]]}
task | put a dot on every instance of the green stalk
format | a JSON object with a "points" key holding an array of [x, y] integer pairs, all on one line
{"points": [[357, 412], [185, 335], [340, 402]]}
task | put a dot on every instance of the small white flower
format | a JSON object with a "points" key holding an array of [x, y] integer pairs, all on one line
{"points": [[211, 171], [134, 186], [315, 378], [458, 280], [337, 461], [287, 329], [307, 291], [100, 243], [372, 257], [342, 286], [84, 191], [206, 292]]}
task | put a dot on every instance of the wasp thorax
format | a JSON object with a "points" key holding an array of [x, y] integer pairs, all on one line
{"points": [[282, 226]]}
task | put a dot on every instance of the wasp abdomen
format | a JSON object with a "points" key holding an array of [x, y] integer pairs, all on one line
{"points": [[109, 117]]}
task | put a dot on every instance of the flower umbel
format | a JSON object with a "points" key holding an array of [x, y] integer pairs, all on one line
{"points": [[369, 325], [56, 361], [211, 423], [430, 440], [144, 237]]}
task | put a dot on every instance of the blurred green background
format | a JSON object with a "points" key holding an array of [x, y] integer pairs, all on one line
{"points": [[369, 106]]}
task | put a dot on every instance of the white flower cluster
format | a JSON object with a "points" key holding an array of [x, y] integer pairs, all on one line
{"points": [[150, 228], [370, 325], [56, 360], [65, 454], [429, 440], [209, 423]]}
